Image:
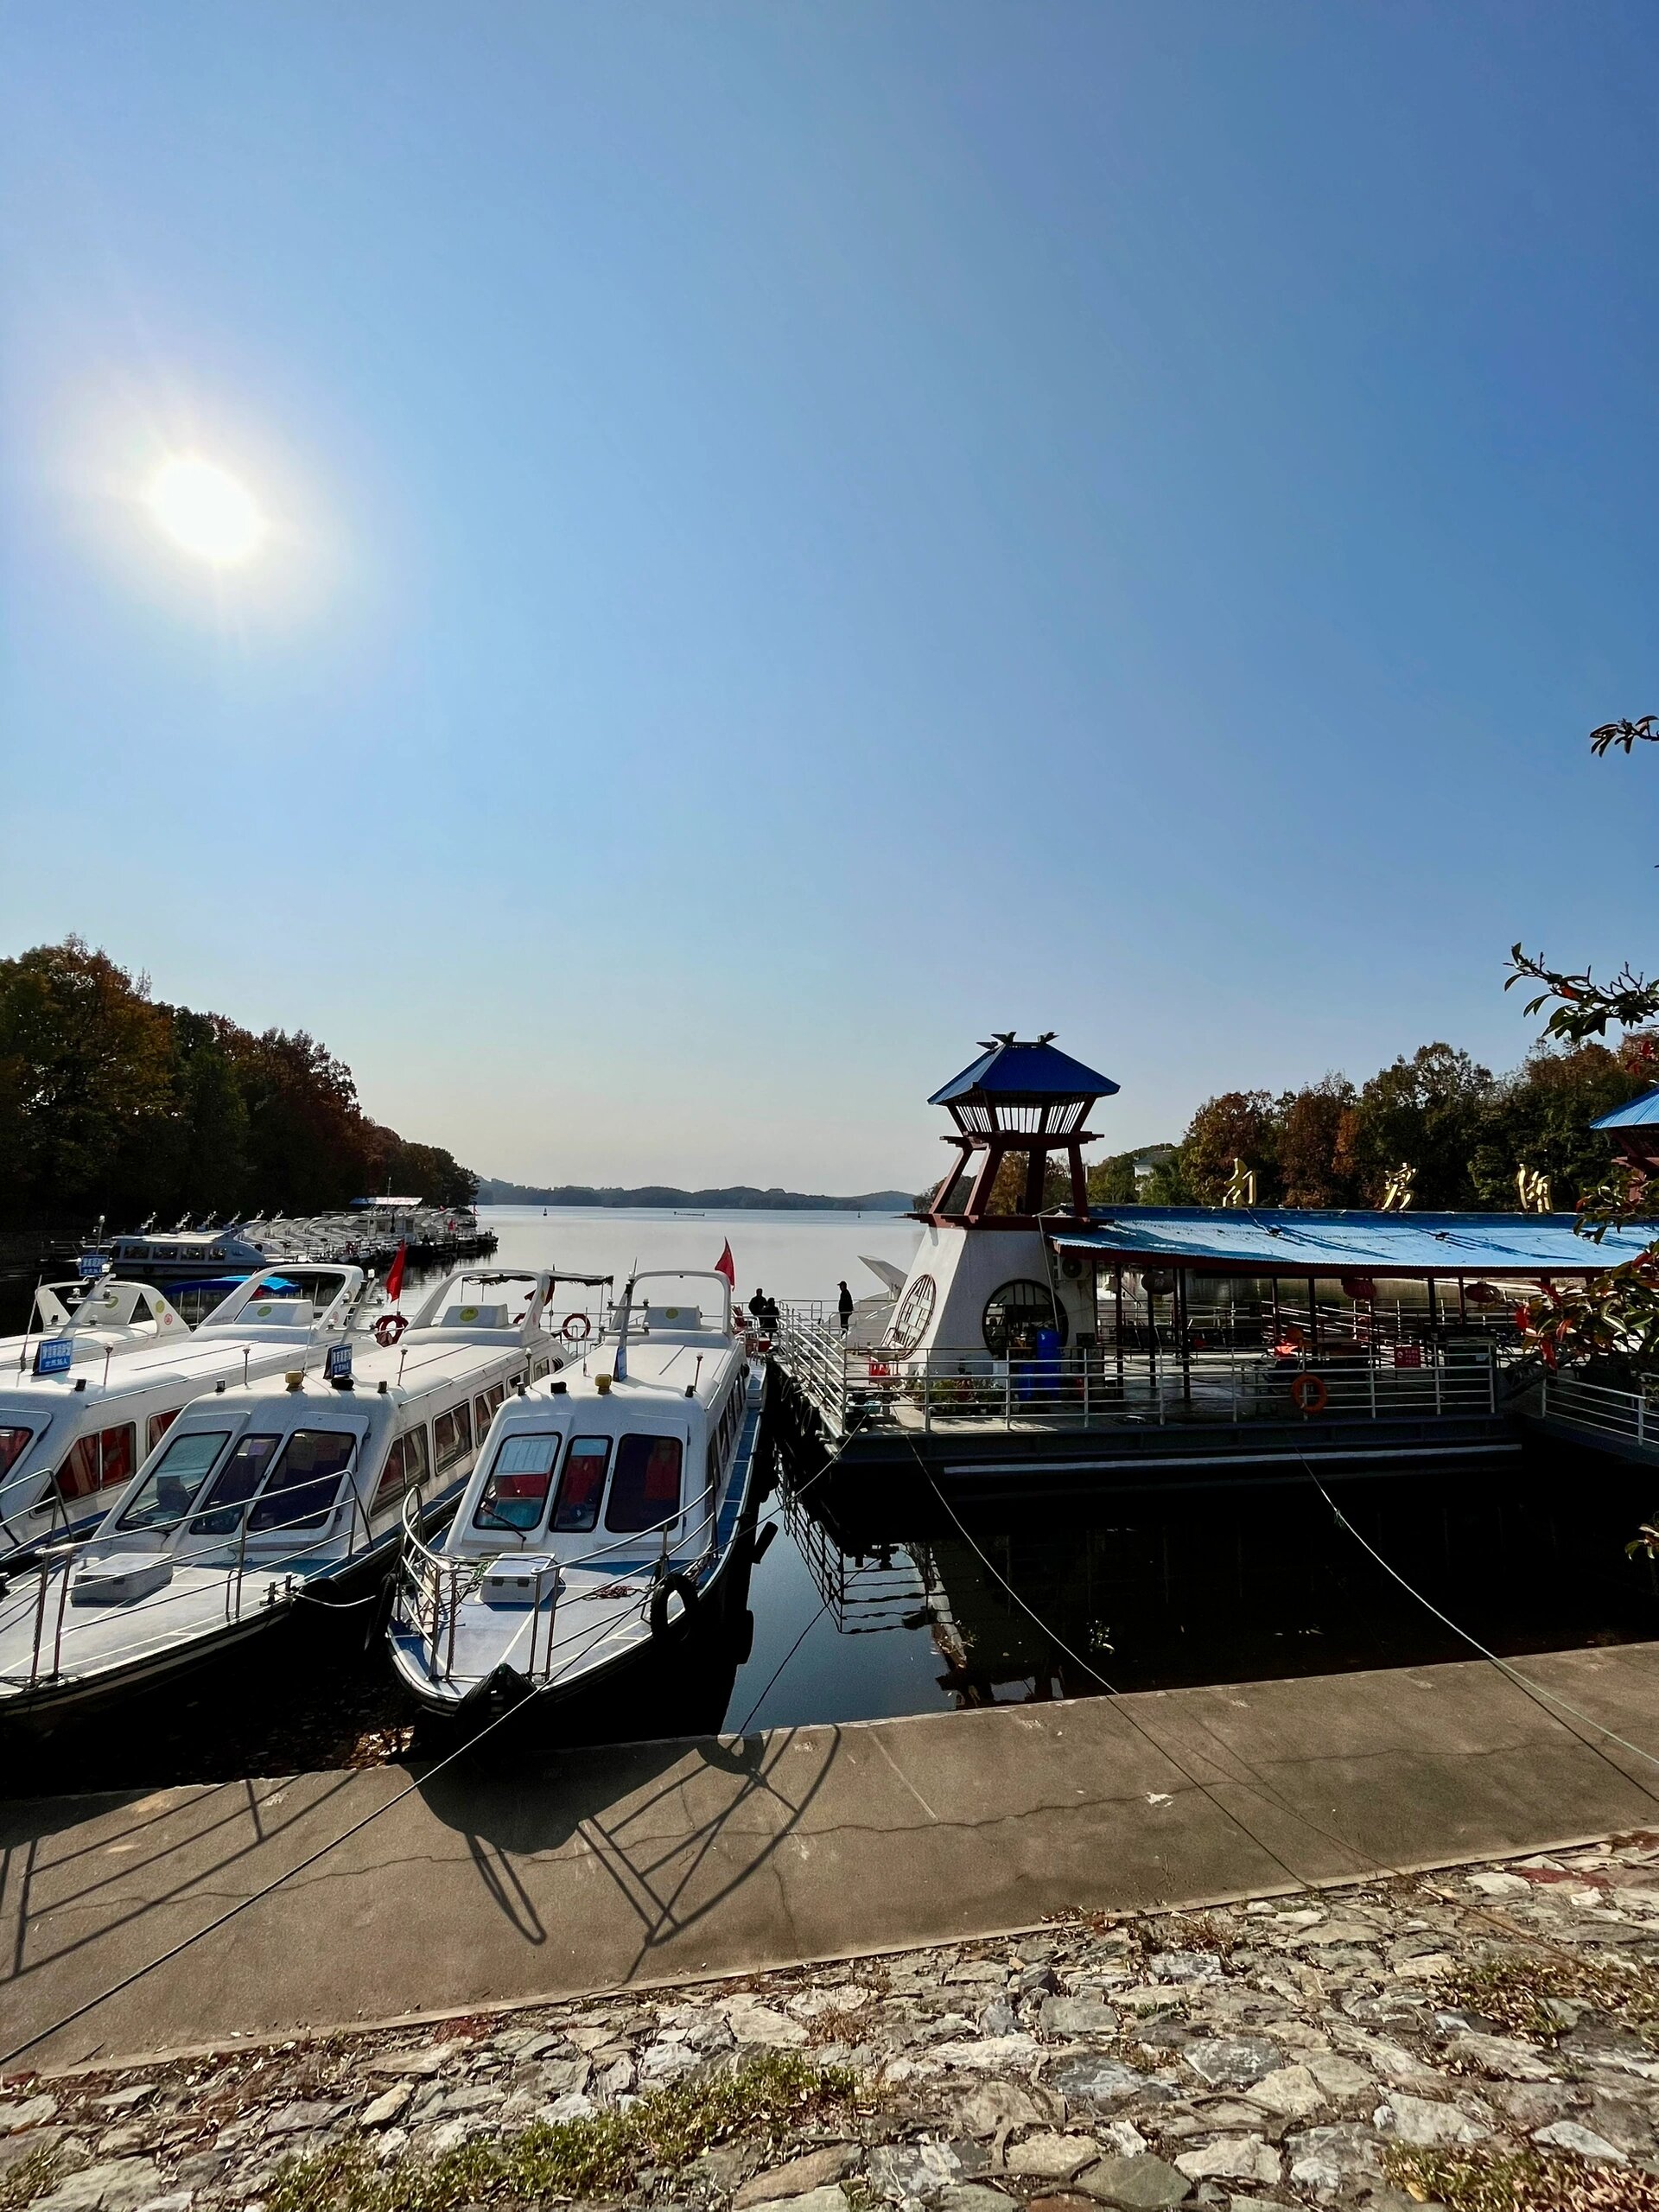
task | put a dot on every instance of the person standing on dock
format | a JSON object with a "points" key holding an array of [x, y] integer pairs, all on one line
{"points": [[845, 1307]]}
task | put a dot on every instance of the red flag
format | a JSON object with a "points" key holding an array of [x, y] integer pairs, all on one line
{"points": [[726, 1265], [395, 1273]]}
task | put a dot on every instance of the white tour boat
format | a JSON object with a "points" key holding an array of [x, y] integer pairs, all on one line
{"points": [[96, 1387], [266, 1493], [604, 1511]]}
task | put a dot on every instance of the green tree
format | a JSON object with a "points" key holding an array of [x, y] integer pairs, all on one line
{"points": [[85, 1091], [1111, 1181], [1426, 1111], [1539, 1118]]}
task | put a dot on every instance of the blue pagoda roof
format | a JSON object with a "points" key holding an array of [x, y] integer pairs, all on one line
{"points": [[1289, 1241], [1006, 1070], [1637, 1115]]}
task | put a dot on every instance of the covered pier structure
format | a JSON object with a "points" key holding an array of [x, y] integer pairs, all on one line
{"points": [[1184, 1345]]}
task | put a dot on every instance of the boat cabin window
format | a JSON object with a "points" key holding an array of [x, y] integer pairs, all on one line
{"points": [[406, 1469], [302, 1486], [452, 1436], [645, 1488], [234, 1485], [159, 1425], [484, 1409], [515, 1495], [98, 1461], [12, 1443], [168, 1490], [581, 1484]]}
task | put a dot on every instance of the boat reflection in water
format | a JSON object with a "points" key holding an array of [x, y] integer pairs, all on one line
{"points": [[1065, 1597]]}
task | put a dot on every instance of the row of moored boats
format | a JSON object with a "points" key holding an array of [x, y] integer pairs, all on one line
{"points": [[549, 1481]]}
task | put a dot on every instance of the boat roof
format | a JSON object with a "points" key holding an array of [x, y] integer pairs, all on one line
{"points": [[662, 1369], [205, 1237], [431, 1367], [1289, 1241], [185, 1359]]}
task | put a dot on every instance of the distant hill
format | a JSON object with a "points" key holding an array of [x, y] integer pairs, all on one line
{"points": [[491, 1192]]}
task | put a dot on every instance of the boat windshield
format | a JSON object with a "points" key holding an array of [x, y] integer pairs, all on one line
{"points": [[515, 1495], [168, 1490], [581, 1484], [646, 1488], [302, 1486], [12, 1443], [234, 1485]]}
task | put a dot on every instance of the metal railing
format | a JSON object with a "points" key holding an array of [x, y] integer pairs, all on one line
{"points": [[1629, 1416], [432, 1586], [963, 1387], [277, 1568]]}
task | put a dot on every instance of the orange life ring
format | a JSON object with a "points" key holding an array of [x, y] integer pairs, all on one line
{"points": [[388, 1328], [570, 1331], [1308, 1394]]}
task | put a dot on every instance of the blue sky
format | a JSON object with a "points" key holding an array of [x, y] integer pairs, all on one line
{"points": [[800, 535]]}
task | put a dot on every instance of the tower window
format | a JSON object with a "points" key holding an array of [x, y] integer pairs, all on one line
{"points": [[1014, 1315]]}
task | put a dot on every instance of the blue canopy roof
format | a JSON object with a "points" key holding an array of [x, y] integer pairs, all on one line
{"points": [[1035, 1071], [1637, 1115], [1271, 1240]]}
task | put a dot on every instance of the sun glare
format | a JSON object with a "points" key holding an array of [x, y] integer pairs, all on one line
{"points": [[205, 510]]}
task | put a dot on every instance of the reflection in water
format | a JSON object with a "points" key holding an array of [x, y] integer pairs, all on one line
{"points": [[1063, 1597]]}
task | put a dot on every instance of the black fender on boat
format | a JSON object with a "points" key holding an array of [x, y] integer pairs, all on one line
{"points": [[504, 1685], [689, 1597]]}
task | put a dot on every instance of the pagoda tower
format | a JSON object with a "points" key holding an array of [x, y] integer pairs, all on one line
{"points": [[985, 1279], [1024, 1103]]}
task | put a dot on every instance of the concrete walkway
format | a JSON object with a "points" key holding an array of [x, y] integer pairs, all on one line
{"points": [[666, 1861]]}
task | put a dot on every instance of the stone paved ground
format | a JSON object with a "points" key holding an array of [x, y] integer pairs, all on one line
{"points": [[1314, 2050]]}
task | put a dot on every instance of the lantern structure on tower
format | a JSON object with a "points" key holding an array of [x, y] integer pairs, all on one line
{"points": [[1023, 1102]]}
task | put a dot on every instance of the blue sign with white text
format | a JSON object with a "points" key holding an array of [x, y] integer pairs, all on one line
{"points": [[337, 1363], [53, 1355], [91, 1264]]}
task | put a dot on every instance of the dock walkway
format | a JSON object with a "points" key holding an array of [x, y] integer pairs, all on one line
{"points": [[666, 1861]]}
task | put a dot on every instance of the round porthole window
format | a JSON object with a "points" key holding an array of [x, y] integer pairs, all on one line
{"points": [[909, 1325], [1015, 1313]]}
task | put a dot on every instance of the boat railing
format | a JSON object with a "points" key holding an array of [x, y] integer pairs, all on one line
{"points": [[54, 1565], [1111, 1386], [432, 1586]]}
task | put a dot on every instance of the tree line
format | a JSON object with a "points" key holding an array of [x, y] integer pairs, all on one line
{"points": [[1463, 1130], [113, 1102]]}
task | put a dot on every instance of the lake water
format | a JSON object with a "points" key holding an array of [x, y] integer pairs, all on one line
{"points": [[907, 1617], [787, 1255]]}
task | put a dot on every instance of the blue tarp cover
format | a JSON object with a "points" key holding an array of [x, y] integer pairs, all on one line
{"points": [[1273, 1240], [1033, 1070]]}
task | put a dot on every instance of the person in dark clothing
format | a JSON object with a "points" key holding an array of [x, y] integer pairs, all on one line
{"points": [[845, 1307]]}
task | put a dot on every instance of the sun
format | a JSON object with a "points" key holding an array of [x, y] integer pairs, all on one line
{"points": [[204, 510]]}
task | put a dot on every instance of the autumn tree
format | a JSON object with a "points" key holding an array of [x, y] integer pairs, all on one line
{"points": [[1238, 1125], [1317, 1134]]}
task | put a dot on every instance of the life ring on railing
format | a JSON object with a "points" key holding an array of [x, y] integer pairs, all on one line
{"points": [[571, 1333], [388, 1328], [660, 1624], [1308, 1394]]}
